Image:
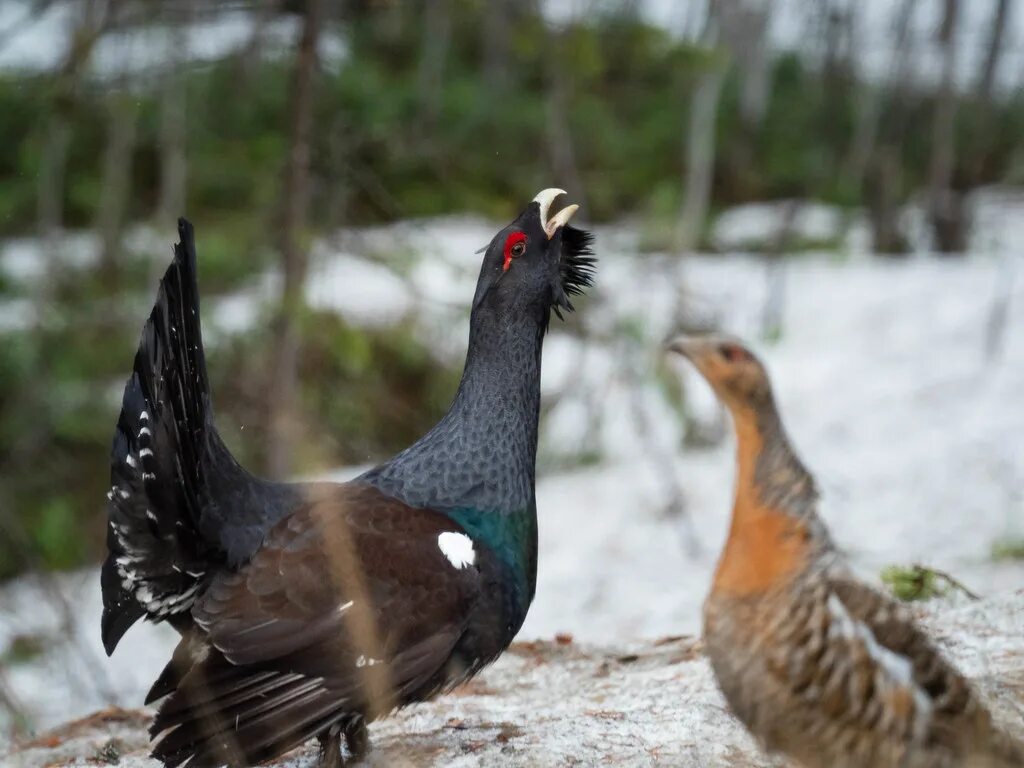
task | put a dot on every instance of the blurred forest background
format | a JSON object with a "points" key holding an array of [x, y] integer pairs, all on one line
{"points": [[273, 123]]}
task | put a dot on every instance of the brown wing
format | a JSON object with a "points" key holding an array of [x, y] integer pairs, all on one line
{"points": [[349, 607], [858, 659], [959, 723]]}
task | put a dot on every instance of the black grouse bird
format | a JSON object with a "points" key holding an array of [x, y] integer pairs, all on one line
{"points": [[310, 609]]}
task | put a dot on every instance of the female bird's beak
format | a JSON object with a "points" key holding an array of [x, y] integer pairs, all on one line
{"points": [[687, 346], [544, 199]]}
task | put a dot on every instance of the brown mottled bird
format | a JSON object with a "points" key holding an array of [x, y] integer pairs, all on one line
{"points": [[820, 668]]}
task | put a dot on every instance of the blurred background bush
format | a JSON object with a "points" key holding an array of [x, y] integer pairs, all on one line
{"points": [[274, 123]]}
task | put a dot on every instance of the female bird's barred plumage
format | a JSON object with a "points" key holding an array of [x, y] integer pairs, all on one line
{"points": [[818, 666]]}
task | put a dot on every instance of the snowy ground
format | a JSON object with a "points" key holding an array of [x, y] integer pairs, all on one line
{"points": [[563, 703], [916, 437]]}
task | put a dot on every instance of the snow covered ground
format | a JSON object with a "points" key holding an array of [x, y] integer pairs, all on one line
{"points": [[548, 704], [915, 435]]}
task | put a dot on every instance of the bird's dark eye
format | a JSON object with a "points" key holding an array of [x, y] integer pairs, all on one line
{"points": [[515, 246], [732, 352]]}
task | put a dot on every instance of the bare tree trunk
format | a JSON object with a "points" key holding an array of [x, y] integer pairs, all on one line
{"points": [[874, 162], [994, 54], [691, 24], [946, 206], [117, 168], [50, 190], [837, 64], [495, 41], [747, 39], [744, 34], [262, 14], [700, 146], [173, 168], [773, 313], [560, 145], [700, 159], [882, 183], [85, 30], [999, 309], [870, 101], [282, 405], [89, 22], [982, 123], [436, 33]]}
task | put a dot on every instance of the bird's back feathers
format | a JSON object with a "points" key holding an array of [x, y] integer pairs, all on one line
{"points": [[353, 605]]}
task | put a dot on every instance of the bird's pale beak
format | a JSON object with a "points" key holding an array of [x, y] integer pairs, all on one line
{"points": [[545, 198], [687, 346]]}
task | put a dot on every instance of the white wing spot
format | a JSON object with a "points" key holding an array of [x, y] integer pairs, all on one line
{"points": [[458, 548], [367, 661], [130, 460], [145, 431], [144, 416], [145, 452]]}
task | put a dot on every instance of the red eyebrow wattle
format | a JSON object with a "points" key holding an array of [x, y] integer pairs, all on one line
{"points": [[510, 242]]}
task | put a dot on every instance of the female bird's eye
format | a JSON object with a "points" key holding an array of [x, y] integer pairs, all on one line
{"points": [[732, 353], [515, 246]]}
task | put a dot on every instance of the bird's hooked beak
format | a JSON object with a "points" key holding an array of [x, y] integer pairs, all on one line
{"points": [[689, 347], [544, 199]]}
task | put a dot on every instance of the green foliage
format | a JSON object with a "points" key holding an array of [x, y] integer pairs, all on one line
{"points": [[386, 146], [1008, 549], [54, 534], [365, 394], [918, 582], [21, 649], [912, 583], [385, 388]]}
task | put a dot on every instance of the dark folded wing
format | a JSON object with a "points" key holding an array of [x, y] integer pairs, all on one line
{"points": [[350, 607]]}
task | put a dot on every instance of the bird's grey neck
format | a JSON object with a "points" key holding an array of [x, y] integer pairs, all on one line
{"points": [[781, 478], [482, 453]]}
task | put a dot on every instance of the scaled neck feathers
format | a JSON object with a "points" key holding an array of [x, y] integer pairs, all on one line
{"points": [[481, 454]]}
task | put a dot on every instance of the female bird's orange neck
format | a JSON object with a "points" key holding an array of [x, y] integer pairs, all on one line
{"points": [[769, 538]]}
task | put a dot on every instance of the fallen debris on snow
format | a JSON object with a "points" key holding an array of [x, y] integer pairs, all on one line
{"points": [[556, 703]]}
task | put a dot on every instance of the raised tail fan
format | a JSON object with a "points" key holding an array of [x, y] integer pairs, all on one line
{"points": [[163, 462]]}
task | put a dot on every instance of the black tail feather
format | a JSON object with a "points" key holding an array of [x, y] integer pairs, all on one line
{"points": [[157, 556], [226, 714]]}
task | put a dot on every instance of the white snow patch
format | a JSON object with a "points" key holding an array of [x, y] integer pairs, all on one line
{"points": [[364, 292], [759, 224], [16, 315]]}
